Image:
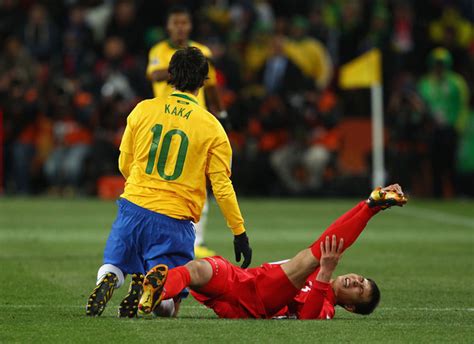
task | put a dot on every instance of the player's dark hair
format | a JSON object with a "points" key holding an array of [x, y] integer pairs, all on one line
{"points": [[178, 10], [188, 69], [366, 308]]}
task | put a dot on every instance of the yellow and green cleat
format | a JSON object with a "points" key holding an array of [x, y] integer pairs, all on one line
{"points": [[101, 294], [152, 289], [386, 198], [129, 306]]}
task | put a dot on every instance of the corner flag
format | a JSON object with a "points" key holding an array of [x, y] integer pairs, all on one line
{"points": [[366, 71]]}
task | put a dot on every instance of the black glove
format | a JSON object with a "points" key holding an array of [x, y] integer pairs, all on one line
{"points": [[242, 247]]}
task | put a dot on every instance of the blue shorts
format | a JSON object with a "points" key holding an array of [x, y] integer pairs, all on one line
{"points": [[141, 238]]}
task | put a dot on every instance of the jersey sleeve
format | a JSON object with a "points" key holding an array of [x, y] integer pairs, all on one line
{"points": [[227, 201], [126, 145], [220, 155], [316, 305], [155, 61], [219, 171], [125, 162]]}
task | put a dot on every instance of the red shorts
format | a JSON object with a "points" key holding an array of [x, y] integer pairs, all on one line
{"points": [[234, 292]]}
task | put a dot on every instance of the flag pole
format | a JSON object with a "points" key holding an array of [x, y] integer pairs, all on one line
{"points": [[378, 168], [366, 71]]}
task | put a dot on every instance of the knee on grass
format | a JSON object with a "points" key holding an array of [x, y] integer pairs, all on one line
{"points": [[200, 271]]}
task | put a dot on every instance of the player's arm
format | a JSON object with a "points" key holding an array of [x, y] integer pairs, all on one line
{"points": [[218, 171], [126, 145], [314, 304], [330, 254], [225, 196], [159, 75], [214, 101], [212, 94], [125, 162], [157, 69]]}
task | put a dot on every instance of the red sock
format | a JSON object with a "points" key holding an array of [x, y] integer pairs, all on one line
{"points": [[349, 214], [347, 227], [178, 279]]}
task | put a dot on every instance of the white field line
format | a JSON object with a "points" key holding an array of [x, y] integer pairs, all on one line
{"points": [[70, 306], [438, 216], [427, 309], [419, 309]]}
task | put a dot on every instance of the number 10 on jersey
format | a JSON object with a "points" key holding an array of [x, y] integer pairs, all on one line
{"points": [[157, 131]]}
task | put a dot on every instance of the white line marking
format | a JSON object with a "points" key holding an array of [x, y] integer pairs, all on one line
{"points": [[427, 309], [438, 216], [71, 306]]}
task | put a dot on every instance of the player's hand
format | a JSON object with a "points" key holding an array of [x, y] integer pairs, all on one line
{"points": [[330, 253], [242, 247]]}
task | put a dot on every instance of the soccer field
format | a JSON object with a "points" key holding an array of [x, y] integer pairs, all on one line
{"points": [[422, 257]]}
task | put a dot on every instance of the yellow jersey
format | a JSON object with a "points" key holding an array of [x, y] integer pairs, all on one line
{"points": [[169, 147], [159, 58]]}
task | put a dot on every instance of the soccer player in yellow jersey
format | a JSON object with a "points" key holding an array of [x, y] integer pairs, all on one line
{"points": [[179, 26], [169, 147]]}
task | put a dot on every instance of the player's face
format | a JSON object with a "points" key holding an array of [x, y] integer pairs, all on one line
{"points": [[179, 27], [351, 289]]}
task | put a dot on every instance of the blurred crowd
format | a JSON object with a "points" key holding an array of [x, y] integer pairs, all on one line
{"points": [[72, 70]]}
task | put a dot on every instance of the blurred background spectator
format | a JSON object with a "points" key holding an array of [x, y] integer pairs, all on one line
{"points": [[446, 97], [72, 70], [40, 34]]}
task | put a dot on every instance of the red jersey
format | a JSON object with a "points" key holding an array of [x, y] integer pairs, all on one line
{"points": [[263, 293], [323, 308]]}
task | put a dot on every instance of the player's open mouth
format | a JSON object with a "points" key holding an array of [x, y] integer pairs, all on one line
{"points": [[346, 282]]}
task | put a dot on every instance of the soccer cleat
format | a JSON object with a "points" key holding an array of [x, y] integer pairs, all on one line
{"points": [[203, 252], [385, 199], [129, 306], [101, 295], [152, 289]]}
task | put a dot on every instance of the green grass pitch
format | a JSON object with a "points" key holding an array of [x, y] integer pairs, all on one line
{"points": [[422, 257]]}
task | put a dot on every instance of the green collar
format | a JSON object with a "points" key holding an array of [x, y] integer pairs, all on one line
{"points": [[185, 96], [174, 46]]}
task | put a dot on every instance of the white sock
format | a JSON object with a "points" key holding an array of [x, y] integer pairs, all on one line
{"points": [[199, 227], [105, 269], [165, 309]]}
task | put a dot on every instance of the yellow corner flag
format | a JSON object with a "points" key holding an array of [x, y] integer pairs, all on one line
{"points": [[364, 71]]}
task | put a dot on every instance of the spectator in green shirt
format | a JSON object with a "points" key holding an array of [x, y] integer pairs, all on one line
{"points": [[446, 97]]}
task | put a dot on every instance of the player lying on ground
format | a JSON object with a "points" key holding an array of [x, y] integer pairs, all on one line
{"points": [[298, 288]]}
